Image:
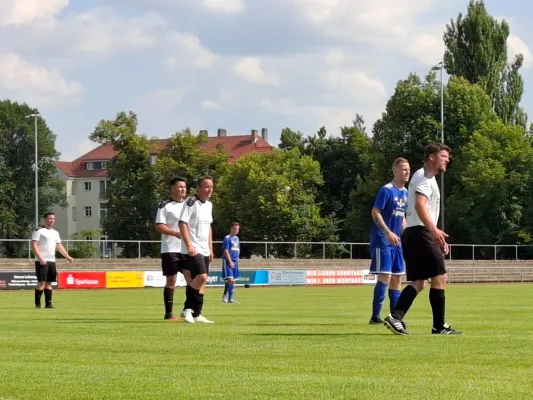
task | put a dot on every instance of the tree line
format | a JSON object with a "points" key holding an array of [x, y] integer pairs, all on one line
{"points": [[321, 186]]}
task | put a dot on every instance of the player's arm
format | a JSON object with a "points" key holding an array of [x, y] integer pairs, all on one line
{"points": [[378, 219], [35, 248], [379, 204], [211, 242], [226, 245], [63, 252], [184, 227], [161, 222], [423, 214]]}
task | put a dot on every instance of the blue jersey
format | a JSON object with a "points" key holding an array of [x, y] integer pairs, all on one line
{"points": [[232, 245], [392, 202]]}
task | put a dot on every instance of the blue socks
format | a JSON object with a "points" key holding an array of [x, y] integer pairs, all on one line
{"points": [[231, 290], [394, 295], [379, 297]]}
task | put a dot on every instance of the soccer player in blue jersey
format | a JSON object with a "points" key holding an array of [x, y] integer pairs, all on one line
{"points": [[388, 214], [230, 262]]}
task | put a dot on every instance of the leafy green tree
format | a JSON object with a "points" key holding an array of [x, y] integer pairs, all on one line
{"points": [[17, 173], [495, 176], [273, 196], [132, 192], [476, 49], [83, 248]]}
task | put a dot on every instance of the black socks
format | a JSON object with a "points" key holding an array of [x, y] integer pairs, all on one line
{"points": [[404, 302], [437, 299], [38, 295], [168, 297], [48, 297]]}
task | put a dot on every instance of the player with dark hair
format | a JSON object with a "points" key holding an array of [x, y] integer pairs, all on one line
{"points": [[424, 244], [388, 214], [167, 224], [230, 263], [197, 242], [45, 242]]}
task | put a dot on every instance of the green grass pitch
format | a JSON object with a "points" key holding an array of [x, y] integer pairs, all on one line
{"points": [[280, 343]]}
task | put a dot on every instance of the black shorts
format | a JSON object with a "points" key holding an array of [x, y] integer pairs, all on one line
{"points": [[197, 265], [423, 258], [172, 263], [47, 272]]}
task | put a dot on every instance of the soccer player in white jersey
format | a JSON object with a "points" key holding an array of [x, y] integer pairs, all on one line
{"points": [[167, 224], [45, 242], [424, 245], [197, 242]]}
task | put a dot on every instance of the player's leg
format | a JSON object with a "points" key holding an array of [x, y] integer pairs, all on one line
{"points": [[226, 275], [51, 276], [235, 276], [415, 251], [203, 268], [184, 270], [380, 266], [190, 291], [40, 274], [170, 270], [193, 292], [437, 297], [397, 272]]}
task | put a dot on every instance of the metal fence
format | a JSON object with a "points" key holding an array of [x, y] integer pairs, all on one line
{"points": [[21, 248]]}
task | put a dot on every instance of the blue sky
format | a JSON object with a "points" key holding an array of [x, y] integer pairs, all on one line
{"points": [[233, 64]]}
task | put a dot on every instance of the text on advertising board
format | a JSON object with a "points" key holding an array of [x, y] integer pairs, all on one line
{"points": [[82, 280]]}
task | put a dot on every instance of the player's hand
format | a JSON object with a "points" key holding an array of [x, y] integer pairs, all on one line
{"points": [[231, 265], [191, 250], [445, 249], [42, 262], [393, 239], [211, 256], [439, 237], [70, 259]]}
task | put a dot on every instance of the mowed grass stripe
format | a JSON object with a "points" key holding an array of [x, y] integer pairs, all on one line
{"points": [[279, 343]]}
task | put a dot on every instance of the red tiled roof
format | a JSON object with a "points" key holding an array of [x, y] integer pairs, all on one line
{"points": [[236, 147]]}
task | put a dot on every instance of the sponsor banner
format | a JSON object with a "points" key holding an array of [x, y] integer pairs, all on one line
{"points": [[82, 280], [260, 278], [334, 277], [287, 277], [157, 279], [369, 277], [19, 280], [124, 279]]}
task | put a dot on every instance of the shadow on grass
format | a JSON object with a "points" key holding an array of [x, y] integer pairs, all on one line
{"points": [[110, 321], [319, 334], [300, 324]]}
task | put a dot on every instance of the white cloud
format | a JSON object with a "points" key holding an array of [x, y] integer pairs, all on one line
{"points": [[516, 45], [389, 24], [210, 104], [226, 6], [21, 12], [32, 83], [186, 50], [250, 69], [82, 147], [162, 100]]}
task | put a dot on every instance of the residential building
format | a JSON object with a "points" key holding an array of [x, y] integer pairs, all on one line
{"points": [[87, 184]]}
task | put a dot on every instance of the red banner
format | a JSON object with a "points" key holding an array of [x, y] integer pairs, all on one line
{"points": [[335, 277], [81, 280]]}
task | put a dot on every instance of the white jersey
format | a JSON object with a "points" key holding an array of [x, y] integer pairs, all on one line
{"points": [[168, 213], [47, 239], [198, 216], [429, 188]]}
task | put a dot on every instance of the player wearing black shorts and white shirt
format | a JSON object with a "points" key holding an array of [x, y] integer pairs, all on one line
{"points": [[167, 224], [197, 242], [45, 242], [424, 245]]}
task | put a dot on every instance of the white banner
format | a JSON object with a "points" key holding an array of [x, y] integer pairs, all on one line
{"points": [[369, 278], [156, 279]]}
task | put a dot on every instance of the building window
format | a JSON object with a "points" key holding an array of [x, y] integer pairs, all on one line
{"points": [[103, 216], [87, 186], [89, 165], [103, 190], [153, 158], [73, 187], [74, 213], [104, 164], [88, 211]]}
